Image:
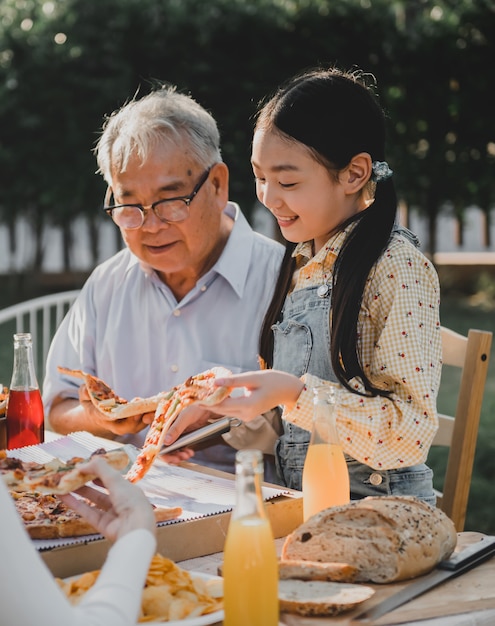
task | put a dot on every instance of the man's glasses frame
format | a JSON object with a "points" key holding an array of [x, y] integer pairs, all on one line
{"points": [[124, 214]]}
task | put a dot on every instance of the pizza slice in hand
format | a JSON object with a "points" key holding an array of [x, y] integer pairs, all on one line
{"points": [[198, 389], [55, 477], [107, 401]]}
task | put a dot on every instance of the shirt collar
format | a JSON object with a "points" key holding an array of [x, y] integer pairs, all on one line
{"points": [[233, 264], [235, 260], [303, 252]]}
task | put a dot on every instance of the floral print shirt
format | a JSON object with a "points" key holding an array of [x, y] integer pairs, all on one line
{"points": [[399, 342]]}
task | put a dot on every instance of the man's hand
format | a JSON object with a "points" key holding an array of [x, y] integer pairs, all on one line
{"points": [[68, 415], [124, 426]]}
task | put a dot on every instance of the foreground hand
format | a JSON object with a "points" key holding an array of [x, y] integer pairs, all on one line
{"points": [[265, 390], [123, 509]]}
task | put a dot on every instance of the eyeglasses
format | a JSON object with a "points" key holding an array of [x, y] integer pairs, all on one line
{"points": [[131, 216]]}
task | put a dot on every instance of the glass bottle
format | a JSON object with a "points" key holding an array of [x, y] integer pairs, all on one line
{"points": [[325, 479], [25, 415], [3, 419], [250, 568]]}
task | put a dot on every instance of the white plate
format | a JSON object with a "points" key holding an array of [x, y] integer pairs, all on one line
{"points": [[201, 620]]}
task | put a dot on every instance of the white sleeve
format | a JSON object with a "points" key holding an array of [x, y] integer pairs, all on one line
{"points": [[30, 595], [115, 599], [65, 349]]}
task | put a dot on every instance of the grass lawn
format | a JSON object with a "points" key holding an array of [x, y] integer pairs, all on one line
{"points": [[460, 314]]}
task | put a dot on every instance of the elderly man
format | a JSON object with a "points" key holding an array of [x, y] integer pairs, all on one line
{"points": [[189, 290]]}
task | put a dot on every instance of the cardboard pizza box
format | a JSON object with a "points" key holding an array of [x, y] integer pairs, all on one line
{"points": [[178, 541]]}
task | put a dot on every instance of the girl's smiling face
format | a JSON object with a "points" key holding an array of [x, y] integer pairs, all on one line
{"points": [[308, 201]]}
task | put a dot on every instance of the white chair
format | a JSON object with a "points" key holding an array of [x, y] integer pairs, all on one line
{"points": [[40, 317]]}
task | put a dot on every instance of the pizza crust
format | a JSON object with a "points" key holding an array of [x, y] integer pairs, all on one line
{"points": [[165, 514]]}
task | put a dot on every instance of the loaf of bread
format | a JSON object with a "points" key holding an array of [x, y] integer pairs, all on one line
{"points": [[312, 598], [386, 538]]}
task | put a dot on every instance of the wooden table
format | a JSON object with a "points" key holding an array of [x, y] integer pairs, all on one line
{"points": [[467, 600]]}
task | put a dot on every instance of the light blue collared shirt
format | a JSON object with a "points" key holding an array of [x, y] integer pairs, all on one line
{"points": [[127, 328]]}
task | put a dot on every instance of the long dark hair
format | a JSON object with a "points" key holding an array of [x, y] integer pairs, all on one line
{"points": [[336, 115]]}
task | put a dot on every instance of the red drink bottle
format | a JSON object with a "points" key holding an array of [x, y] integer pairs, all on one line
{"points": [[25, 415]]}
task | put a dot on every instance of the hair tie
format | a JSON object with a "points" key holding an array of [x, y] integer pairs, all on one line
{"points": [[381, 171]]}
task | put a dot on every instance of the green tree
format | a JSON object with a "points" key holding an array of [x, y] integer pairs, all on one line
{"points": [[64, 64], [443, 136]]}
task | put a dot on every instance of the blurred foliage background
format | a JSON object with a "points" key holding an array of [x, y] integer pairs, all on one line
{"points": [[66, 64]]}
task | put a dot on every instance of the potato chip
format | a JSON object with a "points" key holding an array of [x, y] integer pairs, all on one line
{"points": [[170, 593], [214, 587], [156, 601]]}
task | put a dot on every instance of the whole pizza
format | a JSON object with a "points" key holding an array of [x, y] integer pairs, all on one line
{"points": [[34, 488], [45, 516]]}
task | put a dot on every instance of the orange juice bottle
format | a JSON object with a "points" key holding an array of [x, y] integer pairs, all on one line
{"points": [[250, 567], [325, 479]]}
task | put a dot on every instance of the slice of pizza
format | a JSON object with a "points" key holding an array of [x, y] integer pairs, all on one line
{"points": [[198, 389], [168, 407], [12, 470], [55, 476], [107, 401]]}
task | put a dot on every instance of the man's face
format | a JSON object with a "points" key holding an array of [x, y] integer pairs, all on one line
{"points": [[179, 251]]}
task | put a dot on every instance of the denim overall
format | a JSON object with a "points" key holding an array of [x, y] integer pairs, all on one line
{"points": [[302, 344]]}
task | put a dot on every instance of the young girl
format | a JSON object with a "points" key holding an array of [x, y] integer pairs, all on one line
{"points": [[356, 304]]}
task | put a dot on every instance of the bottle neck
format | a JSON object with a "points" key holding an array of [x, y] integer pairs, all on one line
{"points": [[248, 481], [23, 374], [324, 428]]}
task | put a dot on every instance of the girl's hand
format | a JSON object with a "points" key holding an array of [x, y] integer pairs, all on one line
{"points": [[264, 390]]}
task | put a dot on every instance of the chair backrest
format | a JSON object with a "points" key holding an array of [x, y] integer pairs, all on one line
{"points": [[40, 317], [460, 432]]}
